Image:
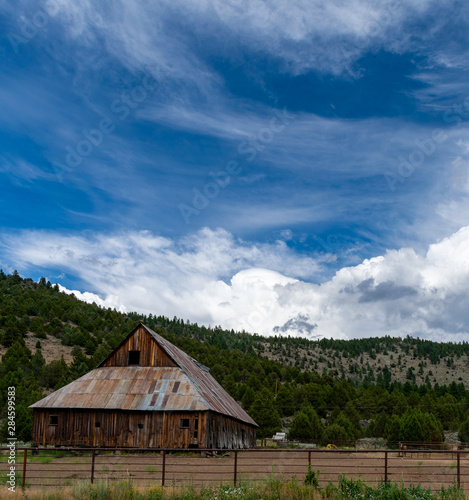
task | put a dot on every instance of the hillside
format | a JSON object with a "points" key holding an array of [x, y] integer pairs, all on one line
{"points": [[394, 359], [375, 359], [49, 338], [59, 322]]}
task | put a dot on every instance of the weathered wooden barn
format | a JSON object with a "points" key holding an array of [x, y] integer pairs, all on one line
{"points": [[147, 394]]}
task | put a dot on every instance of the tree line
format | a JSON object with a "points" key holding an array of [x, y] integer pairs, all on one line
{"points": [[322, 408]]}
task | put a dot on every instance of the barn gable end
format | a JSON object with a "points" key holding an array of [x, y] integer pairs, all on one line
{"points": [[147, 392], [138, 349]]}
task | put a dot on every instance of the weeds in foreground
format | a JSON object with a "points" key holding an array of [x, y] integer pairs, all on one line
{"points": [[358, 489], [311, 478], [272, 489]]}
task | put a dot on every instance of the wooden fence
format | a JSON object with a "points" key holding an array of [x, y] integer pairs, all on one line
{"points": [[154, 467]]}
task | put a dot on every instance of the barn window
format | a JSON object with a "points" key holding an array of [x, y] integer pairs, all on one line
{"points": [[140, 426], [54, 420], [134, 357], [185, 423], [97, 424], [196, 430]]}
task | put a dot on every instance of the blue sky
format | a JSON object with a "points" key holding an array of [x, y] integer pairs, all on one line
{"points": [[242, 163]]}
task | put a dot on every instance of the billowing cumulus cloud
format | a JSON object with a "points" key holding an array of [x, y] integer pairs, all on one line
{"points": [[212, 278]]}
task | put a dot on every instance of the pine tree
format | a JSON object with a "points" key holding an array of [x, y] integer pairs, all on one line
{"points": [[301, 428], [411, 430], [265, 414], [306, 426], [463, 434], [336, 434], [285, 402], [316, 424]]}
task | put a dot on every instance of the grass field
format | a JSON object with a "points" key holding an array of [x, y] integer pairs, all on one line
{"points": [[260, 474], [271, 489]]}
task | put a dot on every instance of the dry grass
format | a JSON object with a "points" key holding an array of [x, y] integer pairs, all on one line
{"points": [[272, 489], [291, 490]]}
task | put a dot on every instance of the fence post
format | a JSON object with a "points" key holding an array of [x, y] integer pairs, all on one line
{"points": [[309, 460], [24, 468], [163, 468], [235, 468], [385, 466], [93, 456], [458, 454]]}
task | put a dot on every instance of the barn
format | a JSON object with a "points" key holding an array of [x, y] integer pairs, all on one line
{"points": [[146, 394]]}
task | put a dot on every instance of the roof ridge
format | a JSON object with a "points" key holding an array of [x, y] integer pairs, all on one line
{"points": [[93, 389], [203, 380]]}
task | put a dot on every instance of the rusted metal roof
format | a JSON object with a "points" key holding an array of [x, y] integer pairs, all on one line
{"points": [[187, 387], [209, 389], [128, 388]]}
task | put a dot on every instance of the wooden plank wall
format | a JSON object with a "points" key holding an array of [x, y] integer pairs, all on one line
{"points": [[119, 429], [159, 429], [226, 432], [150, 352]]}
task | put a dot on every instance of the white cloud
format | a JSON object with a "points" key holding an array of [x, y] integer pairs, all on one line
{"points": [[212, 278], [153, 274], [111, 301], [303, 35]]}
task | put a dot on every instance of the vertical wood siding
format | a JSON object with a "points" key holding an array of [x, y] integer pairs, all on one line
{"points": [[226, 432], [141, 429], [151, 353], [158, 429], [119, 429]]}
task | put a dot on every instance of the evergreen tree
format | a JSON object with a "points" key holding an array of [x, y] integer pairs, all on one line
{"points": [[284, 401], [265, 414], [411, 430], [431, 427], [463, 433], [248, 397], [301, 428], [237, 361], [378, 425], [392, 430], [306, 426], [336, 434], [54, 373], [37, 364], [343, 421], [315, 422]]}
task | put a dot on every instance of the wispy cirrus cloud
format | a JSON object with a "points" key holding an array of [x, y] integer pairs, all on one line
{"points": [[355, 172]]}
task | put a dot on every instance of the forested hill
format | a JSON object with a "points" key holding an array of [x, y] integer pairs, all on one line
{"points": [[344, 389]]}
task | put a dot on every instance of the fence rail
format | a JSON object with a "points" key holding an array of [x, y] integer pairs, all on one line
{"points": [[66, 466]]}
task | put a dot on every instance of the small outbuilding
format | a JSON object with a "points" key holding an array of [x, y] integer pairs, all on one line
{"points": [[146, 394]]}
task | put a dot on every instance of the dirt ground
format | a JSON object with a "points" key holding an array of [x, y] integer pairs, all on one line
{"points": [[51, 348], [430, 469]]}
